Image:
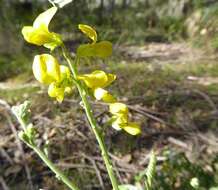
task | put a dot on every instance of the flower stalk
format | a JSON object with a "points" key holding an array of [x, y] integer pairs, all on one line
{"points": [[91, 119]]}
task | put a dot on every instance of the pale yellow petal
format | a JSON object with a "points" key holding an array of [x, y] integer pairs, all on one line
{"points": [[46, 69], [54, 41], [39, 71], [132, 128], [118, 108], [68, 90], [53, 67], [56, 92], [41, 36], [110, 79], [65, 71], [94, 80], [45, 18], [116, 126], [35, 36], [97, 79], [101, 94], [119, 121]]}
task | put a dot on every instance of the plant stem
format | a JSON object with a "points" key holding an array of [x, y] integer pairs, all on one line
{"points": [[56, 170], [91, 119]]}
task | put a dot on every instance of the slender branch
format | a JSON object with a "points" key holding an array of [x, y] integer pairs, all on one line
{"points": [[59, 174], [27, 135], [91, 119]]}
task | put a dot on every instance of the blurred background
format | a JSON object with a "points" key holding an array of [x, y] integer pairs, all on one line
{"points": [[166, 62]]}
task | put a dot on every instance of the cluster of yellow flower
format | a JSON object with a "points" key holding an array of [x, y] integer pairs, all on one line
{"points": [[47, 70]]}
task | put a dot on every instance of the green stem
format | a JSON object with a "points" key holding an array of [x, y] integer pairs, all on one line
{"points": [[91, 119], [56, 170]]}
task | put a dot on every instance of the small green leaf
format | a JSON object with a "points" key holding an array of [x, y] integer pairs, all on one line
{"points": [[31, 131], [23, 136], [102, 50], [151, 169], [22, 112]]}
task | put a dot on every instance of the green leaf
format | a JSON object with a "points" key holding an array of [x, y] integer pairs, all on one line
{"points": [[24, 137], [31, 131], [102, 50], [150, 172], [22, 112]]}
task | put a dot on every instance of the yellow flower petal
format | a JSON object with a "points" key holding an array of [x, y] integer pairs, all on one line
{"points": [[46, 69], [68, 90], [56, 92], [36, 36], [118, 109], [116, 126], [110, 79], [45, 18], [132, 128], [89, 31], [102, 50], [119, 121], [65, 72], [97, 79], [101, 94], [39, 34]]}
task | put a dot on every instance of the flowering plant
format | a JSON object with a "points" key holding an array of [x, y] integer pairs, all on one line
{"points": [[61, 80]]}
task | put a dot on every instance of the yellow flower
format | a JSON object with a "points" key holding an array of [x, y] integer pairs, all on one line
{"points": [[101, 49], [121, 122], [46, 69], [118, 109], [120, 119], [64, 86], [101, 94], [59, 89], [89, 31], [97, 79], [56, 92], [39, 33]]}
